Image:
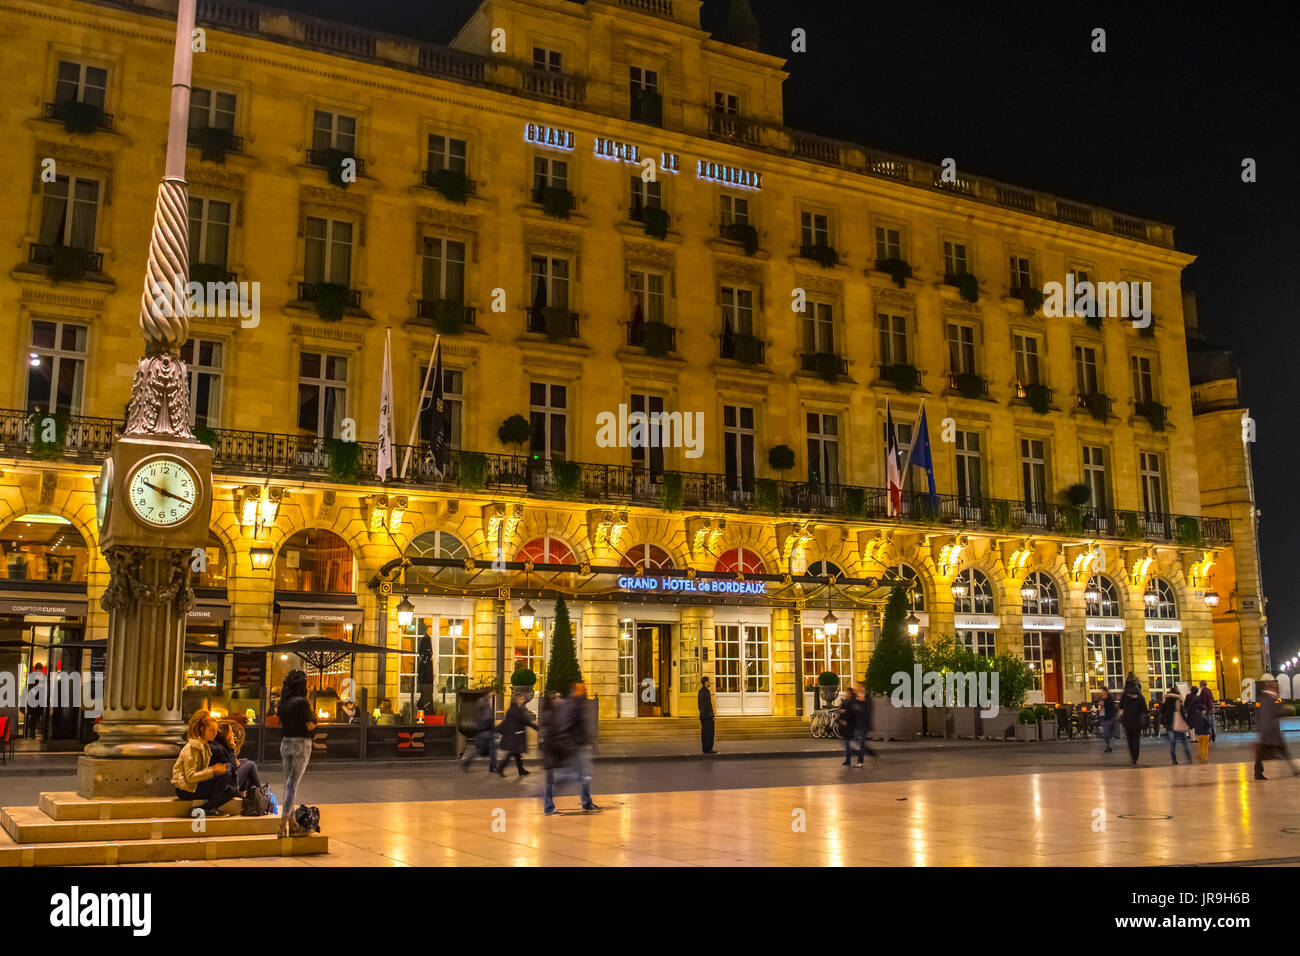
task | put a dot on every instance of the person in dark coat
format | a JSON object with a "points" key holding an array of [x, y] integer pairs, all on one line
{"points": [[484, 740], [1175, 723], [1132, 712], [705, 699], [37, 694], [1270, 744], [855, 719], [1207, 706], [514, 735], [225, 750], [1109, 711]]}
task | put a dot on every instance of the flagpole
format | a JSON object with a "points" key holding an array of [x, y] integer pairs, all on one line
{"points": [[415, 419], [902, 476]]}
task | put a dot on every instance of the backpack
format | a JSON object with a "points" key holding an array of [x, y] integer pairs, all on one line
{"points": [[308, 818], [257, 802]]}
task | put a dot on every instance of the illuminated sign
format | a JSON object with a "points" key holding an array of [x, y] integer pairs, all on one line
{"points": [[686, 585], [613, 149], [670, 162], [550, 136], [730, 175]]}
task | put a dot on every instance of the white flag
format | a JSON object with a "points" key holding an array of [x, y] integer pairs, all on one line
{"points": [[384, 457]]}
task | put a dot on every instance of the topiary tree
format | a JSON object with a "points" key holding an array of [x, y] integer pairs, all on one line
{"points": [[515, 430], [894, 652], [563, 670]]}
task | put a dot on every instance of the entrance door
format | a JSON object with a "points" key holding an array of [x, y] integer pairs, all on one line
{"points": [[743, 669], [1052, 668], [652, 657]]}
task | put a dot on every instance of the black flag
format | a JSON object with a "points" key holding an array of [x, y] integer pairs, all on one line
{"points": [[439, 436]]}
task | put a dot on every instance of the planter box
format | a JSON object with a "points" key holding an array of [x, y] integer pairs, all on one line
{"points": [[1027, 731], [893, 723], [963, 722], [1001, 727], [1047, 729]]}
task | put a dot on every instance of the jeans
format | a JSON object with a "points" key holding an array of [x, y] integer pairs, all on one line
{"points": [[579, 766], [213, 792], [860, 738], [1107, 730], [295, 754], [247, 776], [1174, 737]]}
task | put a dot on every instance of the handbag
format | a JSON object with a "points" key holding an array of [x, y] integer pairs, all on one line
{"points": [[308, 819], [257, 802]]}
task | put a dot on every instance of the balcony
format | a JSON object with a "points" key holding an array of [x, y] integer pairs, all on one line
{"points": [[830, 366], [744, 348], [1038, 397], [655, 220], [331, 160], [741, 232], [657, 338], [79, 117], [905, 378], [238, 453], [331, 299], [453, 185], [968, 384], [722, 126], [820, 253], [448, 316], [214, 141], [555, 322], [1155, 414], [556, 201], [69, 261], [556, 87], [1097, 405]]}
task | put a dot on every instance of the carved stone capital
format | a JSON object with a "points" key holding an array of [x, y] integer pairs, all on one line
{"points": [[160, 395]]}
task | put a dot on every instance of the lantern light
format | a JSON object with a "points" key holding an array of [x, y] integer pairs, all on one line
{"points": [[1151, 598], [261, 558], [406, 611], [1092, 595], [959, 588], [526, 616], [831, 624], [1028, 592], [913, 624], [1212, 598]]}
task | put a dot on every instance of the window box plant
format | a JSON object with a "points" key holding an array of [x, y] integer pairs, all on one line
{"points": [[344, 460], [1098, 406], [657, 338], [49, 433], [449, 316], [905, 378], [334, 159], [69, 263], [206, 435], [81, 118], [671, 491], [767, 496], [827, 366], [568, 478], [968, 286], [1154, 413], [743, 233], [452, 184], [1093, 320], [473, 470], [899, 270], [853, 502], [1000, 517], [1187, 531], [823, 255], [214, 142], [1132, 528], [970, 385], [655, 222], [557, 202], [559, 323], [747, 349], [1039, 398], [1031, 297], [205, 272], [331, 300]]}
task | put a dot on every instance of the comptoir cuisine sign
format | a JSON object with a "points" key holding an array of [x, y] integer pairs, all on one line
{"points": [[687, 585]]}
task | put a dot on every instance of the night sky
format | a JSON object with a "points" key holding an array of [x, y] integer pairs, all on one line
{"points": [[1156, 127]]}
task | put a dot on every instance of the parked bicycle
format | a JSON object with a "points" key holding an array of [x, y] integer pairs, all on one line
{"points": [[825, 723]]}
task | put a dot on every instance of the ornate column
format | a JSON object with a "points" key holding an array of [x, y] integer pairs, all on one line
{"points": [[148, 550]]}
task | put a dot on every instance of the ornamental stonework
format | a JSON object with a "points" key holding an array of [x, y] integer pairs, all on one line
{"points": [[447, 219], [653, 252], [896, 297], [738, 270], [330, 332], [550, 236], [827, 285], [961, 310], [66, 153]]}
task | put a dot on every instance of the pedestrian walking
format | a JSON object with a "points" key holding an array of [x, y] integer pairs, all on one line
{"points": [[1109, 710], [1209, 706], [584, 738], [1133, 711], [556, 745], [1203, 724], [297, 726], [705, 699], [1270, 745], [567, 740], [483, 743], [855, 721], [514, 735], [36, 695], [1174, 721]]}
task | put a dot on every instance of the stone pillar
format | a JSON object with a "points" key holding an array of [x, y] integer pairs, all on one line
{"points": [[784, 622], [600, 655]]}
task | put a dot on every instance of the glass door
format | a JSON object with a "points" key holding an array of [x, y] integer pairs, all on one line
{"points": [[743, 669]]}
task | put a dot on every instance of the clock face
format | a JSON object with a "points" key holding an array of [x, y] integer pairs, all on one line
{"points": [[163, 491]]}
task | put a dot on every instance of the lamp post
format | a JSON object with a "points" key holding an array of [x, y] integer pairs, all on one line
{"points": [[158, 504]]}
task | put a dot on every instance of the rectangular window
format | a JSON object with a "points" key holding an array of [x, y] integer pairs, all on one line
{"points": [[648, 288], [1153, 484], [80, 83], [334, 131], [645, 105], [209, 232], [453, 404], [1105, 654], [738, 446], [329, 251], [961, 349], [983, 643], [1020, 274], [212, 108], [1094, 475], [1164, 667], [1085, 370], [445, 152], [549, 415], [823, 450], [549, 171], [648, 455], [889, 243], [823, 652], [1033, 465], [735, 210], [1034, 656], [903, 437], [550, 289], [1080, 275], [891, 331], [738, 310], [203, 357], [69, 212], [969, 469], [954, 258], [322, 393], [645, 195], [819, 328], [550, 60], [726, 103], [56, 367], [626, 660], [816, 229], [1026, 348], [1144, 390], [444, 270]]}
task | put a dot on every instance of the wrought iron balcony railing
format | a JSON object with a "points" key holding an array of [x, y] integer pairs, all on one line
{"points": [[325, 158], [310, 292], [195, 136], [446, 312], [43, 255], [59, 111], [240, 453]]}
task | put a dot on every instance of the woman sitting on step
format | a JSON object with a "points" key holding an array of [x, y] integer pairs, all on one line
{"points": [[225, 750], [194, 775]]}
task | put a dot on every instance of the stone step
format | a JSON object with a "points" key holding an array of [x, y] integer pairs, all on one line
{"points": [[66, 805], [194, 847], [30, 825]]}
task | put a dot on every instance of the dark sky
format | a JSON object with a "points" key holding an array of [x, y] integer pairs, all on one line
{"points": [[1157, 126]]}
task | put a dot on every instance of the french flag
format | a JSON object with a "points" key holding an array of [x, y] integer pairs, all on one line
{"points": [[893, 477]]}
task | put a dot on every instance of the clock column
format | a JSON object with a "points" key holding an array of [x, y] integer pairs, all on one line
{"points": [[149, 592]]}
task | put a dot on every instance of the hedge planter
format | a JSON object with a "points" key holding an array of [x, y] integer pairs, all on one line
{"points": [[1002, 726], [1047, 729], [893, 723], [963, 722], [1027, 731]]}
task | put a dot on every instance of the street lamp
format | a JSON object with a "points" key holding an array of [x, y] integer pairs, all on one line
{"points": [[1151, 598], [959, 589], [913, 624], [406, 611], [830, 623], [1211, 598], [526, 616], [1028, 591]]}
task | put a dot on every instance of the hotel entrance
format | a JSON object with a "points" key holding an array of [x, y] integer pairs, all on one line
{"points": [[645, 659]]}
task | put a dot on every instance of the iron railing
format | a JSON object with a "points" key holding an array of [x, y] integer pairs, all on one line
{"points": [[310, 292], [59, 111], [324, 158], [434, 309], [43, 255], [241, 453], [194, 137]]}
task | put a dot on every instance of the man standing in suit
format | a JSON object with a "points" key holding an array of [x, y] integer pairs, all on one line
{"points": [[705, 700]]}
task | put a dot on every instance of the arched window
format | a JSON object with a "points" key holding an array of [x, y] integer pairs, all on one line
{"points": [[546, 550], [742, 560], [214, 573], [825, 569], [41, 547], [979, 593], [1038, 595], [315, 560], [435, 544], [905, 575], [1159, 600], [649, 557], [1101, 598]]}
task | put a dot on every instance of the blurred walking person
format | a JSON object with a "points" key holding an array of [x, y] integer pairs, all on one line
{"points": [[1174, 721], [705, 699], [484, 741], [1109, 711], [855, 722], [1209, 706], [584, 737], [1270, 745], [1132, 713], [514, 735]]}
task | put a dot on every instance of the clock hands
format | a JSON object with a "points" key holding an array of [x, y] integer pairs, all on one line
{"points": [[164, 491]]}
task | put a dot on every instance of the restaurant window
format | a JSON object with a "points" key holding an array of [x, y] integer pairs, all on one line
{"points": [[549, 418], [203, 359], [209, 235], [334, 131], [1045, 600], [648, 557], [214, 572], [449, 642], [825, 652], [56, 367], [322, 393], [81, 83], [1163, 663], [213, 109], [1163, 606], [740, 561], [1107, 602], [453, 406], [1034, 657], [979, 593], [983, 643], [315, 560], [328, 252], [69, 212], [738, 446], [1105, 654], [43, 547]]}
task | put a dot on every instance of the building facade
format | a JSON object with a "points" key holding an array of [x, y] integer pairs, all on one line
{"points": [[597, 210]]}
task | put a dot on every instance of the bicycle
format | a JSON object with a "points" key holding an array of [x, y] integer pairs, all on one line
{"points": [[825, 723]]}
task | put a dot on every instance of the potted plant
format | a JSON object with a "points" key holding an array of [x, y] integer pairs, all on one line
{"points": [[767, 496], [781, 457], [1027, 724], [344, 460], [515, 431], [899, 270], [1046, 721], [1039, 398], [828, 682], [825, 256], [893, 654], [557, 202], [563, 671], [657, 338], [905, 378], [81, 118], [523, 681], [747, 349], [331, 300], [968, 287], [449, 317], [206, 435], [745, 234], [1032, 298], [853, 502], [473, 470], [671, 491], [452, 184], [1014, 680], [1132, 528], [1187, 531], [334, 159], [655, 222], [214, 143], [827, 366], [68, 264]]}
